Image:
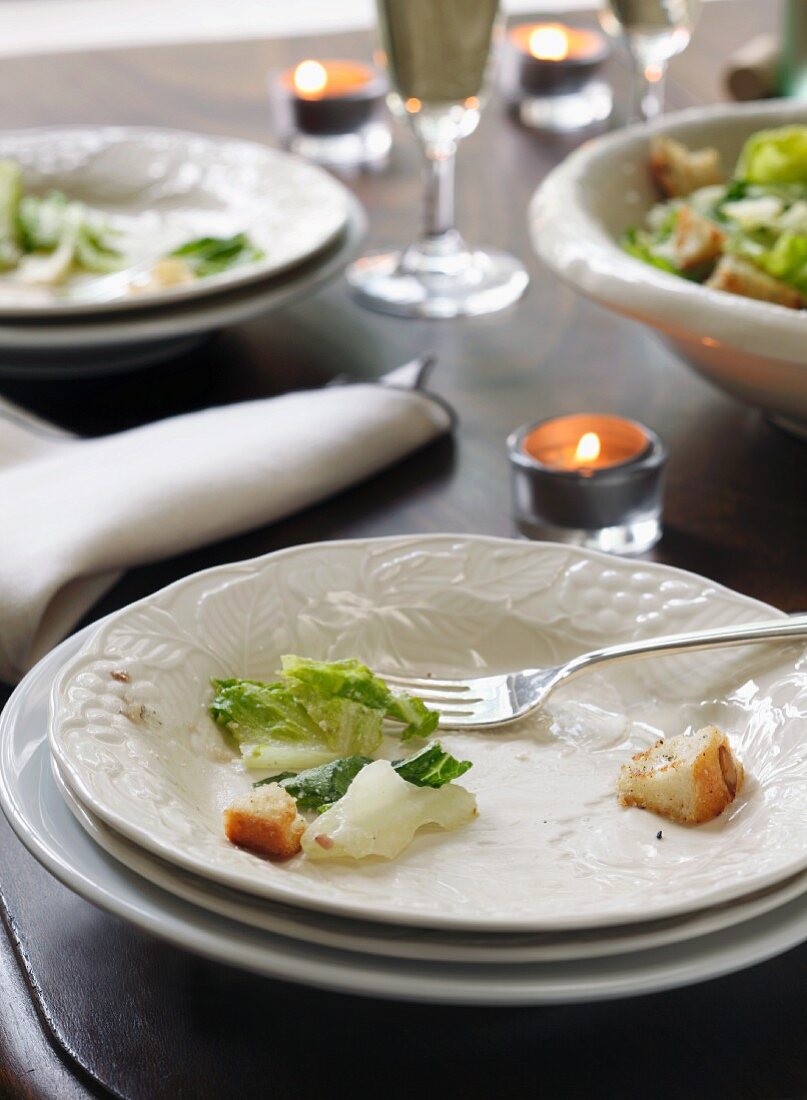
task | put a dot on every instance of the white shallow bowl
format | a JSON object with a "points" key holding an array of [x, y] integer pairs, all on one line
{"points": [[551, 848], [43, 823], [158, 189], [89, 347], [753, 350]]}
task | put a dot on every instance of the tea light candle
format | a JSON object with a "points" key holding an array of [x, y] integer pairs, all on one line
{"points": [[331, 112], [590, 479], [549, 73]]}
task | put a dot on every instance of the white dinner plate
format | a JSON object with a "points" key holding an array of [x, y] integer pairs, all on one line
{"points": [[92, 347], [41, 819], [422, 944], [158, 189], [551, 848]]}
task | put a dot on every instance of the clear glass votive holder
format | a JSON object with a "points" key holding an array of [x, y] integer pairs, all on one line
{"points": [[551, 77], [589, 480], [333, 113]]}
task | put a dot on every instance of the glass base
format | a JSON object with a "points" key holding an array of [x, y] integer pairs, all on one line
{"points": [[367, 147], [438, 279], [633, 537], [563, 114]]}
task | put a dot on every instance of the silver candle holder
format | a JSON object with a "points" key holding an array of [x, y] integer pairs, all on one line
{"points": [[552, 78], [591, 480], [333, 113]]}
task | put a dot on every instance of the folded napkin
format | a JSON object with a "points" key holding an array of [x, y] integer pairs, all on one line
{"points": [[75, 513]]}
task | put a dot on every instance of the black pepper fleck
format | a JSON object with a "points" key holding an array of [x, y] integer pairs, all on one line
{"points": [[658, 835]]}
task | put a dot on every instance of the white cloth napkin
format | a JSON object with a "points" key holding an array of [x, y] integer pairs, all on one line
{"points": [[75, 513]]}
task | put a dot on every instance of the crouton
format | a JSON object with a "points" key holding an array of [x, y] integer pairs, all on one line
{"points": [[265, 821], [690, 778], [741, 277], [678, 172], [170, 271], [696, 240]]}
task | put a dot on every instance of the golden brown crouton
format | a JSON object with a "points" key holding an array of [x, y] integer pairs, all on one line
{"points": [[677, 171], [741, 277], [696, 240], [265, 821], [690, 779]]}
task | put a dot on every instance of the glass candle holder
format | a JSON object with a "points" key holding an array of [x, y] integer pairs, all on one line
{"points": [[551, 76], [590, 480], [332, 112]]}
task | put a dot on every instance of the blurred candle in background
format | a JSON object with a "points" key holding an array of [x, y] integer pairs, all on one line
{"points": [[332, 112], [551, 76]]}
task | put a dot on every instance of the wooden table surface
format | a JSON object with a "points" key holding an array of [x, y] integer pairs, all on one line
{"points": [[92, 1007]]}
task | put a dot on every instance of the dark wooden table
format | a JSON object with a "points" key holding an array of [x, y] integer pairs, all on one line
{"points": [[88, 1006]]}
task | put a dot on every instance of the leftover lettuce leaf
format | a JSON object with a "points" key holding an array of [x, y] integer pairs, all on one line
{"points": [[351, 679], [432, 766], [53, 224], [212, 255], [10, 196], [318, 712], [318, 788], [274, 728]]}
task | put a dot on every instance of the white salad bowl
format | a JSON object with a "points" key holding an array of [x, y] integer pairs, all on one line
{"points": [[551, 847], [754, 350]]}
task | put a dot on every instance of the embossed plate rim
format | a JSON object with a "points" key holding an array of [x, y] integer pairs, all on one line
{"points": [[283, 887], [43, 824]]}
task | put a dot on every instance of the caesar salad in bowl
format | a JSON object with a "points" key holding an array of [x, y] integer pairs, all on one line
{"points": [[696, 224]]}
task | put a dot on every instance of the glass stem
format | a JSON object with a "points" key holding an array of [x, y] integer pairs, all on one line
{"points": [[649, 80], [438, 191]]}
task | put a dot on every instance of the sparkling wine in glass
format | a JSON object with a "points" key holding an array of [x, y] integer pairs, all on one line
{"points": [[438, 54], [654, 31]]}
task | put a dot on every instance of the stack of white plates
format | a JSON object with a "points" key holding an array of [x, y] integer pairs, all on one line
{"points": [[158, 189], [555, 893]]}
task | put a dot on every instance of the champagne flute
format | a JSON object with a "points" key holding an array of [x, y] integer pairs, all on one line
{"points": [[438, 58], [654, 31]]}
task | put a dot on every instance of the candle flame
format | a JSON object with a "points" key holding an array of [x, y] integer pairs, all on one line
{"points": [[310, 78], [588, 448], [549, 43]]}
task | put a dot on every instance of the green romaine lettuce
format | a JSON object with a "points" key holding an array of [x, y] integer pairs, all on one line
{"points": [[318, 788], [212, 255], [639, 243], [42, 221], [431, 767], [351, 679], [786, 259], [52, 222], [774, 156], [274, 728], [318, 712], [10, 196]]}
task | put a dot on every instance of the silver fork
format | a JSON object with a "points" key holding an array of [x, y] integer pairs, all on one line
{"points": [[499, 700]]}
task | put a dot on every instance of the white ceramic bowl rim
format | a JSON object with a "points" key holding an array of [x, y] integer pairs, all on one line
{"points": [[574, 243]]}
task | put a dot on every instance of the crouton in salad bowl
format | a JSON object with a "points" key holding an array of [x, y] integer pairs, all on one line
{"points": [[696, 225]]}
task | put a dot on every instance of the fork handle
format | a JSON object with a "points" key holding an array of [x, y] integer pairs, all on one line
{"points": [[777, 629]]}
